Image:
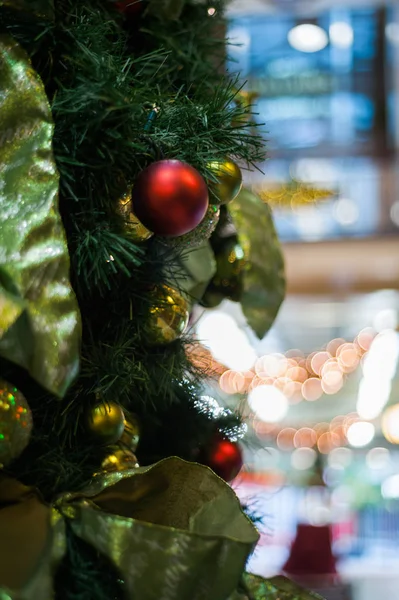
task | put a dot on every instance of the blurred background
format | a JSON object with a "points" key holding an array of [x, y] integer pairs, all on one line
{"points": [[321, 390]]}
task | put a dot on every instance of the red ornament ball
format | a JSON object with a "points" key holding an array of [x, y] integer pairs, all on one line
{"points": [[170, 198], [224, 458], [130, 8]]}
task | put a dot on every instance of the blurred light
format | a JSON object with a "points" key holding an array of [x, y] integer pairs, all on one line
{"points": [[348, 357], [372, 397], [297, 374], [390, 424], [340, 458], [346, 211], [228, 343], [333, 346], [378, 458], [360, 434], [237, 432], [303, 458], [381, 360], [268, 403], [209, 406], [327, 441], [341, 34], [332, 381], [390, 487], [285, 439], [305, 438], [307, 38], [293, 391], [343, 494], [365, 338], [311, 389], [266, 458], [318, 361], [232, 382], [385, 319], [211, 11], [392, 34], [331, 477]]}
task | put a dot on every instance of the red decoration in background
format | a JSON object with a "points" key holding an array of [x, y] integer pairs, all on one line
{"points": [[224, 458], [311, 553], [130, 8], [170, 198]]}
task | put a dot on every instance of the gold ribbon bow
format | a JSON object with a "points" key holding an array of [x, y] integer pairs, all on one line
{"points": [[174, 530]]}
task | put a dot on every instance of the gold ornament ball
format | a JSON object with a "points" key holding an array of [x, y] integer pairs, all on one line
{"points": [[168, 316], [15, 423], [132, 227], [229, 182], [105, 423], [193, 239], [131, 434], [119, 460]]}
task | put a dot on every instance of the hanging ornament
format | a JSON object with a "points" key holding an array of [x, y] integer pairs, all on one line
{"points": [[131, 433], [118, 460], [228, 280], [130, 8], [15, 423], [170, 197], [245, 100], [200, 234], [224, 458], [168, 316], [229, 182], [105, 423], [132, 227]]}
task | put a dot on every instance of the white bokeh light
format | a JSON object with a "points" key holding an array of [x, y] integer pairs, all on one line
{"points": [[360, 434], [307, 38], [303, 458], [268, 403], [341, 34], [227, 342], [378, 458], [390, 487]]}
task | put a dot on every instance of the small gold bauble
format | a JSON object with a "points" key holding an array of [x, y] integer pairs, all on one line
{"points": [[168, 316], [131, 434], [193, 239], [15, 423], [229, 182], [119, 460], [132, 227], [245, 100], [105, 423], [228, 279]]}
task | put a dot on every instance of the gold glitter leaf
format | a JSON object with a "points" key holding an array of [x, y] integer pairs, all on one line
{"points": [[39, 318]]}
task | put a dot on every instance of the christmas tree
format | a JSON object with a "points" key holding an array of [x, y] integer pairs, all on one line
{"points": [[120, 139]]}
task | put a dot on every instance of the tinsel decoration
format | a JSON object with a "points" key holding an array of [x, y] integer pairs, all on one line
{"points": [[15, 423], [167, 316], [293, 194], [245, 99], [40, 307], [199, 235]]}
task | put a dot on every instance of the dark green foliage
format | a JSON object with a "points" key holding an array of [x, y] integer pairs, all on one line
{"points": [[102, 77]]}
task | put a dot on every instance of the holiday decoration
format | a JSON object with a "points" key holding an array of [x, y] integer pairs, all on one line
{"points": [[132, 227], [15, 423], [131, 8], [167, 317], [119, 460], [200, 234], [245, 100], [229, 180], [170, 197], [198, 268], [131, 433], [105, 423], [38, 8], [38, 303], [293, 194], [228, 279], [263, 278], [276, 588], [172, 504], [224, 457]]}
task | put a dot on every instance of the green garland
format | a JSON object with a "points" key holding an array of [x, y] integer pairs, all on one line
{"points": [[102, 77]]}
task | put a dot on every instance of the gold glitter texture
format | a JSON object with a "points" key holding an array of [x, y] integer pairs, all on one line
{"points": [[168, 315], [40, 326], [15, 423]]}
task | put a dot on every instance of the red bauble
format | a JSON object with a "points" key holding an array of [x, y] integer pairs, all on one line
{"points": [[224, 458], [170, 198], [130, 8]]}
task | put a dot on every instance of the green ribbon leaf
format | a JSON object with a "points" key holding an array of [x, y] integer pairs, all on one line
{"points": [[263, 279]]}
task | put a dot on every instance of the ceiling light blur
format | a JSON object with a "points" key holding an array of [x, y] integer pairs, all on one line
{"points": [[307, 38], [341, 34]]}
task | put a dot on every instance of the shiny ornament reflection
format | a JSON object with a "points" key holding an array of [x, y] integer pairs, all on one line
{"points": [[132, 227], [229, 180], [15, 423], [105, 423], [168, 316]]}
